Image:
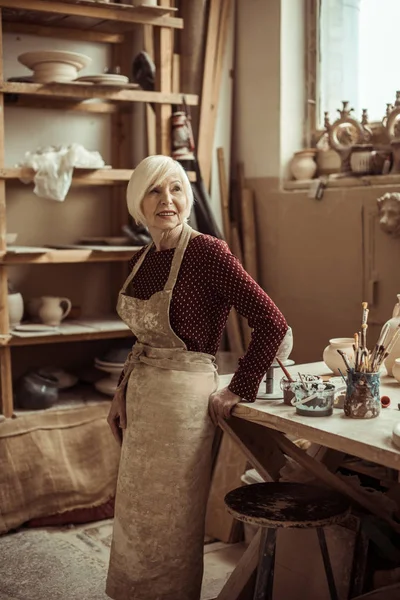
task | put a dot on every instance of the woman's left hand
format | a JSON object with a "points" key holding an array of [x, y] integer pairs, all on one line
{"points": [[221, 404]]}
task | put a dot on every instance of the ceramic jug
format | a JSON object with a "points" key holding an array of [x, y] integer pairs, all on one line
{"points": [[15, 309], [394, 322], [51, 311], [332, 358]]}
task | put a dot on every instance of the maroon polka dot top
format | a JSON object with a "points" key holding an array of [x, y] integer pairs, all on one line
{"points": [[210, 281]]}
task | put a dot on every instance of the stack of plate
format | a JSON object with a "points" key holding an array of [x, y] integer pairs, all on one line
{"points": [[105, 79], [109, 384]]}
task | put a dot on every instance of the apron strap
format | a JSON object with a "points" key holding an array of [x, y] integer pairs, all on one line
{"points": [[135, 268], [178, 256]]}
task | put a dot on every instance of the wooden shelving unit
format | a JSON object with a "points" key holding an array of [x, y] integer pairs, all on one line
{"points": [[89, 21]]}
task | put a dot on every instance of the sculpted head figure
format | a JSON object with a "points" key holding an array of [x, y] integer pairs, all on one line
{"points": [[389, 213]]}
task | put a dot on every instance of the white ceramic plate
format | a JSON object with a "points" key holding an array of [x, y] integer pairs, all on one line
{"points": [[109, 241], [105, 79], [30, 59], [35, 327]]}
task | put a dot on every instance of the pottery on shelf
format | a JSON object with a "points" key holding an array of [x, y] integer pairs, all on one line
{"points": [[54, 66], [393, 323], [331, 356], [15, 309], [53, 310], [36, 391], [303, 165], [361, 158], [328, 162]]}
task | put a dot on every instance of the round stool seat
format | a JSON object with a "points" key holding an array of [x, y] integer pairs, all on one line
{"points": [[286, 505]]}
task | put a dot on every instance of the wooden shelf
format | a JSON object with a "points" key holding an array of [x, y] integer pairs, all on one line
{"points": [[48, 256], [71, 331], [87, 15], [83, 177], [84, 91], [337, 181]]}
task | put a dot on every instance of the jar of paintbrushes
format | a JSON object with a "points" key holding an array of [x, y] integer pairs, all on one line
{"points": [[363, 371]]}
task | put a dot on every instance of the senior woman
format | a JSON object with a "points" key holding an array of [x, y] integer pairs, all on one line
{"points": [[176, 300]]}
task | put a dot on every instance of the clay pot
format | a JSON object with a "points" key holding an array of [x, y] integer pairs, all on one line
{"points": [[331, 356], [15, 309], [303, 165], [51, 311], [328, 162], [394, 322]]}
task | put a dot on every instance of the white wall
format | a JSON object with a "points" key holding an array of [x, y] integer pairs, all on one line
{"points": [[269, 87]]}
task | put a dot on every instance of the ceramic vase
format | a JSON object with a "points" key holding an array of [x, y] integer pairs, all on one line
{"points": [[15, 309], [303, 165], [394, 322], [396, 369], [328, 162], [395, 145], [331, 356]]}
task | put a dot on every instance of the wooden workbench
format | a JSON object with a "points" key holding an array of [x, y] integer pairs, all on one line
{"points": [[259, 429]]}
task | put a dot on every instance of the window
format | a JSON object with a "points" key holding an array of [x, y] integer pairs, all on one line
{"points": [[358, 57]]}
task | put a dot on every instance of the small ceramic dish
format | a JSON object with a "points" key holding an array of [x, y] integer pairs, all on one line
{"points": [[54, 66]]}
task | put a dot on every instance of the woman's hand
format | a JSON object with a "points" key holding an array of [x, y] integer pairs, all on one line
{"points": [[117, 415], [221, 404]]}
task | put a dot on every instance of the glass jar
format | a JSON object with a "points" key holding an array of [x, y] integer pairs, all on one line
{"points": [[363, 400]]}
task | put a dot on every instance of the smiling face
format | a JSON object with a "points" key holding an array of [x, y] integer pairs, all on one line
{"points": [[165, 205]]}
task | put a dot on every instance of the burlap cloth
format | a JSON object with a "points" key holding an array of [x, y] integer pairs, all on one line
{"points": [[55, 461]]}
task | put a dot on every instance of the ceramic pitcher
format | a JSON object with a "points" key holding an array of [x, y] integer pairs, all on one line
{"points": [[394, 322], [53, 310]]}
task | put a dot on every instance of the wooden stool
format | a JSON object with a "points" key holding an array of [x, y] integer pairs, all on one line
{"points": [[274, 505]]}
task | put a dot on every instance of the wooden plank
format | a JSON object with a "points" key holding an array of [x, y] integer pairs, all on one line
{"points": [[237, 251], [249, 233], [5, 355], [243, 571], [203, 152], [123, 13], [66, 256], [89, 91], [321, 472], [263, 454], [65, 105], [6, 399], [224, 195], [148, 41], [210, 98], [176, 71], [163, 58], [83, 176], [72, 331], [230, 466], [63, 32]]}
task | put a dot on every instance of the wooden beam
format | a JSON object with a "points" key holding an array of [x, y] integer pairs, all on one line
{"points": [[164, 49], [89, 91], [243, 571], [66, 105], [148, 41], [5, 355], [122, 13], [66, 33]]}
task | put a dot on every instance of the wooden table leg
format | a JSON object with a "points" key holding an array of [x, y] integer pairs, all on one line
{"points": [[243, 571]]}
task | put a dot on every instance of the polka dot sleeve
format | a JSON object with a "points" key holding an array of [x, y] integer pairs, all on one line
{"points": [[234, 284]]}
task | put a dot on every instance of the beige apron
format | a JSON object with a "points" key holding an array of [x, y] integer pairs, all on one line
{"points": [[164, 472]]}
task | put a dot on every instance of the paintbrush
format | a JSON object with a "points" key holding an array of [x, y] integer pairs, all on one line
{"points": [[343, 377], [364, 328], [284, 369], [345, 359], [379, 346], [394, 339], [303, 384]]}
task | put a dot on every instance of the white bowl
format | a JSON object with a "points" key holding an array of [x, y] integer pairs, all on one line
{"points": [[107, 386], [54, 66], [396, 369]]}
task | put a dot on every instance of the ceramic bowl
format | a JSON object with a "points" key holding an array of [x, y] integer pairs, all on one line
{"points": [[54, 66], [107, 386]]}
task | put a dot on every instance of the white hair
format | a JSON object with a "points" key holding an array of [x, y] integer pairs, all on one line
{"points": [[149, 173]]}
